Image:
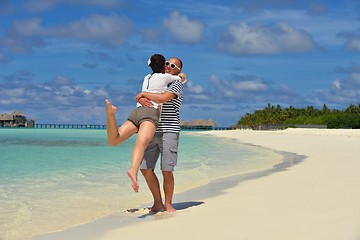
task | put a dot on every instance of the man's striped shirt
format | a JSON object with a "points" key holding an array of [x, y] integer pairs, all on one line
{"points": [[170, 111]]}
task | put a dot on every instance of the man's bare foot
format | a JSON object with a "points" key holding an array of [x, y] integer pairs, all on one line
{"points": [[157, 208], [133, 177], [169, 208], [110, 109]]}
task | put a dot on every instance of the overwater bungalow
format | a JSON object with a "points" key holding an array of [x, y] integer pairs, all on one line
{"points": [[15, 119]]}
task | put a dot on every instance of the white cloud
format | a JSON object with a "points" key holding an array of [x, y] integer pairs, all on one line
{"points": [[77, 115], [101, 93], [61, 81], [28, 28], [15, 92], [343, 91], [193, 88], [106, 30], [38, 6], [110, 30], [195, 92], [249, 6], [243, 39], [353, 44], [352, 39], [336, 84], [317, 9], [23, 36], [183, 29], [61, 100], [60, 92], [251, 85], [355, 78], [43, 5], [220, 87], [244, 89]]}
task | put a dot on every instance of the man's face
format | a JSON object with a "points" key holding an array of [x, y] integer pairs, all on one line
{"points": [[175, 70]]}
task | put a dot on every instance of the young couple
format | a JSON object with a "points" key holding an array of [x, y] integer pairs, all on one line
{"points": [[161, 97]]}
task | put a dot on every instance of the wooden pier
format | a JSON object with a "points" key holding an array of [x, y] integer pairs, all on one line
{"points": [[69, 126], [202, 128], [96, 126]]}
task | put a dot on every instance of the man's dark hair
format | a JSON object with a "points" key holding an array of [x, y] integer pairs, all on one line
{"points": [[157, 63]]}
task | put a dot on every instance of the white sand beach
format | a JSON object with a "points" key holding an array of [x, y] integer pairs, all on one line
{"points": [[318, 199]]}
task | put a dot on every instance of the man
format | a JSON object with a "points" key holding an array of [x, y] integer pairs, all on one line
{"points": [[165, 141], [142, 120]]}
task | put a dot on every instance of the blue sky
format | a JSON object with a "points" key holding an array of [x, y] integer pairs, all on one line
{"points": [[60, 59]]}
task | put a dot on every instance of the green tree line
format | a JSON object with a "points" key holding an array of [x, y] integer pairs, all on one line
{"points": [[290, 116]]}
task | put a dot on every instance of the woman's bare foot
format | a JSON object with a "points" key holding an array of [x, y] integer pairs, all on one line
{"points": [[110, 109], [133, 177]]}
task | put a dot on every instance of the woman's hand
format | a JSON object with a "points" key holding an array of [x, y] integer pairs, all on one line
{"points": [[144, 102]]}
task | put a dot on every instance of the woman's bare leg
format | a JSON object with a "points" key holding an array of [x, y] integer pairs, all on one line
{"points": [[115, 134], [146, 133]]}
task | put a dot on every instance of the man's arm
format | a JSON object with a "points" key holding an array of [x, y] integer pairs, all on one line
{"points": [[157, 97]]}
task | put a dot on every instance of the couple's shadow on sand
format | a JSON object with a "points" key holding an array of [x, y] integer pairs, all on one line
{"points": [[178, 206]]}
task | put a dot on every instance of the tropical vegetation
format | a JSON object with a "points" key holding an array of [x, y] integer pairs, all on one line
{"points": [[291, 116]]}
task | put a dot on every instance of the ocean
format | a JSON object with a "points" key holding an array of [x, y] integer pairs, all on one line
{"points": [[54, 179]]}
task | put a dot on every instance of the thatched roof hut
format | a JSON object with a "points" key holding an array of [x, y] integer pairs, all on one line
{"points": [[11, 116], [6, 117], [18, 114], [15, 119], [198, 123]]}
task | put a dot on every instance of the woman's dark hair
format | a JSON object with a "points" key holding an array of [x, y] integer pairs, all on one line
{"points": [[157, 63]]}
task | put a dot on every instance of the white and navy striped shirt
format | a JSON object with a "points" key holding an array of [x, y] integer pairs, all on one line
{"points": [[170, 111]]}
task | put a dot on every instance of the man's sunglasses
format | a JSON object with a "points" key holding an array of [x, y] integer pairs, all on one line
{"points": [[172, 65]]}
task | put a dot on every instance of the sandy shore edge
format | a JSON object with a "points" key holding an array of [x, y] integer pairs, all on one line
{"points": [[317, 199]]}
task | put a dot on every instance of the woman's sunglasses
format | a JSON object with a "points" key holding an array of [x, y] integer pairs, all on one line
{"points": [[172, 65]]}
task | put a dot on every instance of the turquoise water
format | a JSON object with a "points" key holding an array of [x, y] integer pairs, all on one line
{"points": [[53, 179]]}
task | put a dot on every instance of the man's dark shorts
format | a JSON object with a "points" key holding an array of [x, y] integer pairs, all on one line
{"points": [[165, 144]]}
